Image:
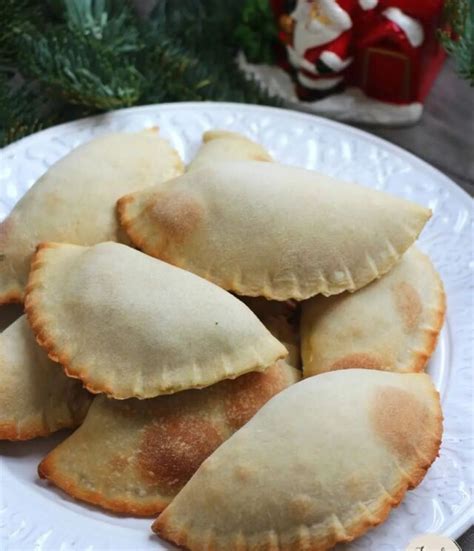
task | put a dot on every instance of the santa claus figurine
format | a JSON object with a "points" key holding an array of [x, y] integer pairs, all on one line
{"points": [[318, 38]]}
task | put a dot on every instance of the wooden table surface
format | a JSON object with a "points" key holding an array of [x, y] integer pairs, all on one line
{"points": [[445, 135]]}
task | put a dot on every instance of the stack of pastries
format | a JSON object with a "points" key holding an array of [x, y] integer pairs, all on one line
{"points": [[239, 346]]}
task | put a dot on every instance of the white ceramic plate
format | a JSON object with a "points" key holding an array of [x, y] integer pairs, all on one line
{"points": [[36, 516]]}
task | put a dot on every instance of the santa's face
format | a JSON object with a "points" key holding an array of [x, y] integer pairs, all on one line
{"points": [[318, 22]]}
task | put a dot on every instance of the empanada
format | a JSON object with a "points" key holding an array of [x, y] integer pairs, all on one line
{"points": [[282, 320], [36, 398], [265, 229], [320, 463], [129, 325], [392, 324], [134, 456], [222, 145], [74, 202]]}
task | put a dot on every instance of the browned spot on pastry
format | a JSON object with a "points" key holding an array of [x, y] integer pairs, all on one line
{"points": [[357, 361], [300, 507], [118, 463], [408, 304], [403, 422], [177, 214], [356, 482], [261, 157], [244, 473], [248, 393], [173, 448]]}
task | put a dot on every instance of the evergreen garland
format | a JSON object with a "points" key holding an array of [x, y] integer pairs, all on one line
{"points": [[257, 32], [458, 36], [20, 110], [62, 59]]}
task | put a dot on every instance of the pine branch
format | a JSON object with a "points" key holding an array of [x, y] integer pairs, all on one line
{"points": [[203, 35], [458, 36], [84, 58], [186, 76], [81, 70], [110, 23], [23, 110], [95, 55], [257, 32], [200, 25], [13, 15]]}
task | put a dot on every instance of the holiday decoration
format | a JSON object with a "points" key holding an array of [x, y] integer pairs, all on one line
{"points": [[373, 60], [457, 36], [65, 59], [364, 60]]}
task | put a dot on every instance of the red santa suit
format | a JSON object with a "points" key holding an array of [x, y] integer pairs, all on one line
{"points": [[382, 75], [407, 30], [322, 41]]}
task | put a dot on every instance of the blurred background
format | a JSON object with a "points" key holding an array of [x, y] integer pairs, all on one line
{"points": [[400, 69]]}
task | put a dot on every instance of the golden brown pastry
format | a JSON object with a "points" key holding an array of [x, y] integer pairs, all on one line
{"points": [[134, 456], [74, 202], [320, 463], [36, 398], [222, 145], [392, 324], [130, 326], [265, 229]]}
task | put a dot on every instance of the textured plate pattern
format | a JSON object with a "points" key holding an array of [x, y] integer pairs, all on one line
{"points": [[34, 516]]}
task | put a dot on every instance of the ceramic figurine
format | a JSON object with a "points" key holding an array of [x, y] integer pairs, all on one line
{"points": [[360, 60]]}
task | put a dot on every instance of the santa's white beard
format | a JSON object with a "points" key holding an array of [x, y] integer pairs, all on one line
{"points": [[309, 35]]}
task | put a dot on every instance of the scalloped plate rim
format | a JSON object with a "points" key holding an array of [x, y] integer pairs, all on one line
{"points": [[192, 105]]}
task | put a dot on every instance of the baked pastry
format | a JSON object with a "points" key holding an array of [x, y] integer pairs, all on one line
{"points": [[36, 398], [74, 202], [282, 320], [130, 326], [133, 456], [320, 463], [392, 324], [265, 229], [222, 145]]}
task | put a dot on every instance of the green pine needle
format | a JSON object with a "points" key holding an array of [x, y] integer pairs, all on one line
{"points": [[200, 25], [88, 56], [111, 24], [257, 32], [458, 36], [14, 23], [23, 110], [81, 70], [202, 33]]}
